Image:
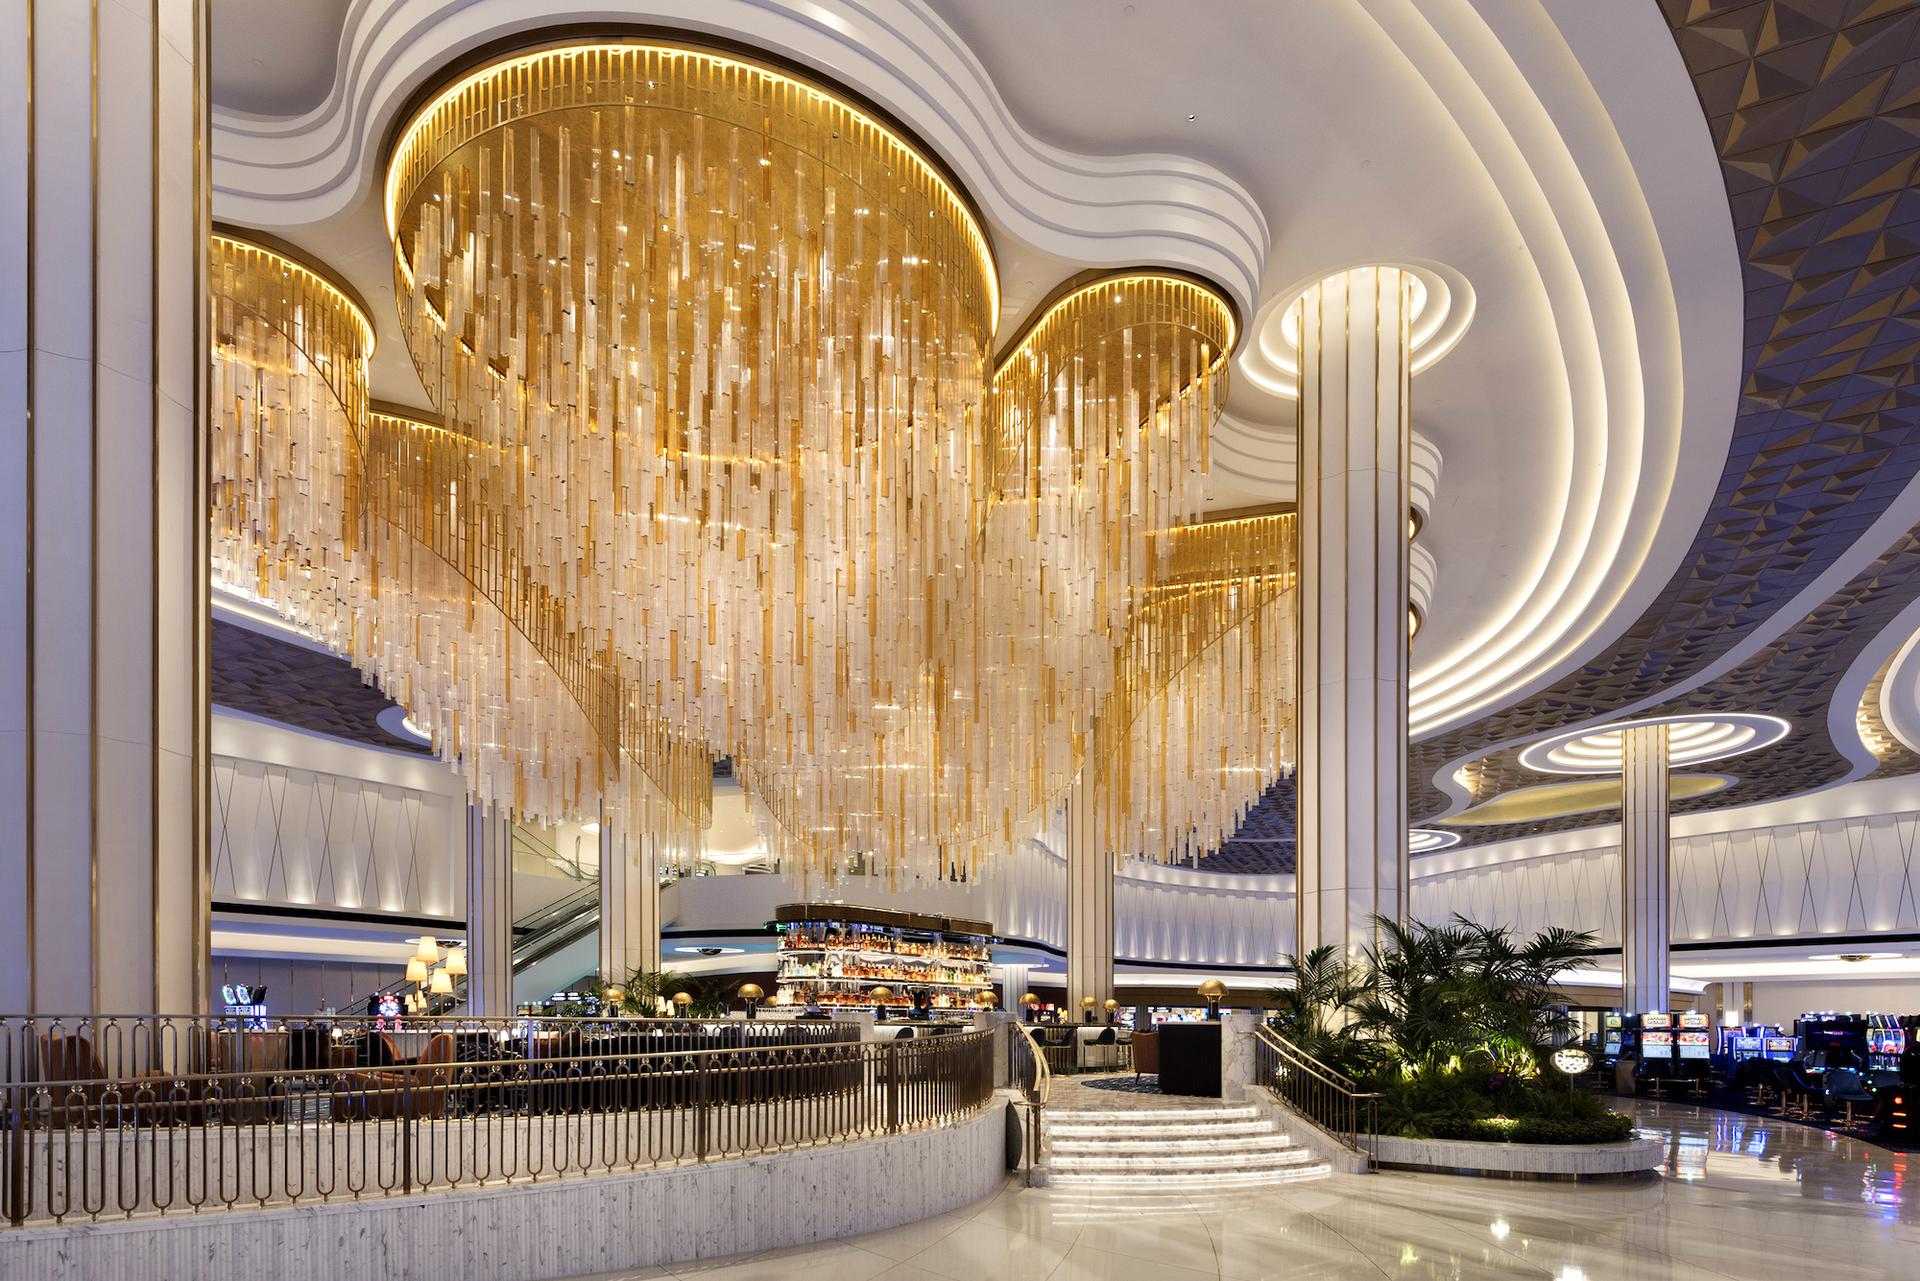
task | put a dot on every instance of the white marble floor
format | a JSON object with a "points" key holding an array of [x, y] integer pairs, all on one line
{"points": [[1741, 1198]]}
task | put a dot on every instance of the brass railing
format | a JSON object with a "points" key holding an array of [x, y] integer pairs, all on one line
{"points": [[1330, 1099], [121, 1118], [1029, 1073]]}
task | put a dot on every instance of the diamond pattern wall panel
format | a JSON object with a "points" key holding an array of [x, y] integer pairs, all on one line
{"points": [[1845, 876], [293, 836]]}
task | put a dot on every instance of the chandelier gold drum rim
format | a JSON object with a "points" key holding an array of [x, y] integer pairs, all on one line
{"points": [[407, 138]]}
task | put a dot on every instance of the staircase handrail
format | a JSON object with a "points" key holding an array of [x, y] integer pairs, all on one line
{"points": [[1041, 1090], [1035, 1094], [1324, 1095]]}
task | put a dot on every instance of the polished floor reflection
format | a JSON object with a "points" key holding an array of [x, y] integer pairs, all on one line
{"points": [[1741, 1198]]}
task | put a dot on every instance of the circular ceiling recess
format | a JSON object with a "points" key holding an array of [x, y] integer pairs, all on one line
{"points": [[1443, 305], [1691, 740], [1544, 802], [1424, 840]]}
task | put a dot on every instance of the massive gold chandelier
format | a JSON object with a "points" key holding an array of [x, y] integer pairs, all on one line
{"points": [[347, 520], [716, 467]]}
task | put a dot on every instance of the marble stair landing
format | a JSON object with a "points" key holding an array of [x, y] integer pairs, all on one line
{"points": [[1169, 1146]]}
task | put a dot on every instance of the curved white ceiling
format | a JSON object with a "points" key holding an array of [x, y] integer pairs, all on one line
{"points": [[1560, 163], [1585, 414]]}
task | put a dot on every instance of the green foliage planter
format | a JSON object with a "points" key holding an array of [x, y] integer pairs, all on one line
{"points": [[1452, 1026], [1609, 1127]]}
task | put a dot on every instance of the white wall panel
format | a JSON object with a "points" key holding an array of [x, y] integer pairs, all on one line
{"points": [[1850, 875], [299, 820]]}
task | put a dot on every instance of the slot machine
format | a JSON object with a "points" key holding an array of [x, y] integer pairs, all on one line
{"points": [[1656, 1043], [1612, 1031], [1886, 1042], [1782, 1049], [1742, 1043], [1693, 1043]]}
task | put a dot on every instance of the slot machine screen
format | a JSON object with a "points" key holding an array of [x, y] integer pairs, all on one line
{"points": [[1693, 1020], [1693, 1045], [1782, 1047], [1611, 1040], [1656, 1020], [1746, 1047], [1656, 1045]]}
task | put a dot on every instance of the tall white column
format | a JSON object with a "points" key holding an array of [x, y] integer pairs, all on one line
{"points": [[1645, 911], [629, 904], [1089, 906], [103, 527], [489, 913], [1354, 467]]}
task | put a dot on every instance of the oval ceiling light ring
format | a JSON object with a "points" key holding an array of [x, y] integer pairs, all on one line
{"points": [[1425, 840], [1692, 740], [1443, 307]]}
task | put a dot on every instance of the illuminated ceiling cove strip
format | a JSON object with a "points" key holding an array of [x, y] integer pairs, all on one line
{"points": [[1691, 740]]}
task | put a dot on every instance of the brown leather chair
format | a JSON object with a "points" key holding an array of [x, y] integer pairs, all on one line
{"points": [[1146, 1054], [90, 1097], [419, 1091]]}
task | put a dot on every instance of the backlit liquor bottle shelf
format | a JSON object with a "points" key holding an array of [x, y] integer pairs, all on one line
{"points": [[838, 957]]}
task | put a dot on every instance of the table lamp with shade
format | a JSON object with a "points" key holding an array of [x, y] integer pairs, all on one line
{"points": [[441, 984], [880, 995], [681, 1001], [750, 994], [428, 949], [1212, 991], [416, 970], [1031, 1003], [1086, 1008], [457, 962], [1113, 1010]]}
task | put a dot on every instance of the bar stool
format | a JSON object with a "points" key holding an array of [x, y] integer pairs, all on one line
{"points": [[1843, 1086]]}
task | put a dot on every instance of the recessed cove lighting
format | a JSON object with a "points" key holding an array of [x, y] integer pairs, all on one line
{"points": [[1443, 305], [1691, 740], [395, 721]]}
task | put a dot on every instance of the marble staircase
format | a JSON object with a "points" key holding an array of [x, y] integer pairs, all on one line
{"points": [[1172, 1148]]}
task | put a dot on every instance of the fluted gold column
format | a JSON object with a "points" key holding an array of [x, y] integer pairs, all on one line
{"points": [[1353, 494], [489, 912], [629, 904], [103, 529], [1089, 904], [1645, 912]]}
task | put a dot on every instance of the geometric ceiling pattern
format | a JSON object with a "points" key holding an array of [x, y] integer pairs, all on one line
{"points": [[297, 686], [1814, 109]]}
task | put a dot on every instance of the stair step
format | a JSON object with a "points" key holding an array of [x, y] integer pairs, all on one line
{"points": [[1162, 1179], [1151, 1115], [1185, 1162], [1074, 1129], [1243, 1143]]}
